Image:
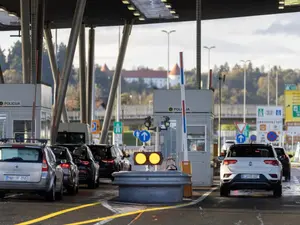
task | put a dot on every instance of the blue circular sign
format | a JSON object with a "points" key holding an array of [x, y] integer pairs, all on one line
{"points": [[272, 136], [253, 137]]}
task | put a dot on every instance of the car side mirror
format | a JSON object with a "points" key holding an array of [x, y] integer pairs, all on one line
{"points": [[221, 158]]}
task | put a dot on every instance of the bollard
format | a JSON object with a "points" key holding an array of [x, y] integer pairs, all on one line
{"points": [[187, 169]]}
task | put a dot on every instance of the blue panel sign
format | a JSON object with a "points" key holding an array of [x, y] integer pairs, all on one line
{"points": [[94, 126], [240, 138], [272, 136], [253, 137], [136, 133], [144, 136]]}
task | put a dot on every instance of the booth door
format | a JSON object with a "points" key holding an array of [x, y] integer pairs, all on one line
{"points": [[3, 122]]}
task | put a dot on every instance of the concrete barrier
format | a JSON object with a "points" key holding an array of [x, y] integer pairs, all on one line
{"points": [[147, 187]]}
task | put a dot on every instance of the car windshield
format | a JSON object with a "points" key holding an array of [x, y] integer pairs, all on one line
{"points": [[70, 138], [251, 151], [21, 154], [280, 151]]}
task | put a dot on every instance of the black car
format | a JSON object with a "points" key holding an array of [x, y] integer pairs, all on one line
{"points": [[111, 159], [88, 167], [70, 169], [284, 158]]}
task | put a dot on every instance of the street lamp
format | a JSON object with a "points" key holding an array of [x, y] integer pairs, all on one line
{"points": [[208, 75], [168, 69], [245, 63]]}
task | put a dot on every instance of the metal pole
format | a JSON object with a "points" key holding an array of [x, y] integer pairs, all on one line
{"points": [[55, 73], [220, 107], [157, 138], [208, 73], [82, 78], [90, 75], [276, 88], [25, 29], [34, 18], [40, 29], [245, 93], [115, 81], [268, 88], [168, 72], [198, 44], [1, 76], [63, 84]]}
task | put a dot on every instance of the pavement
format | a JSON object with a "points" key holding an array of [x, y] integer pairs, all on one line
{"points": [[207, 208]]}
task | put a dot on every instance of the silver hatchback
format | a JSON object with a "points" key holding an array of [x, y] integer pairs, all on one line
{"points": [[30, 167]]}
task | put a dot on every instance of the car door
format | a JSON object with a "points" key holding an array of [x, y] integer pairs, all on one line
{"points": [[56, 168], [73, 166], [95, 165]]}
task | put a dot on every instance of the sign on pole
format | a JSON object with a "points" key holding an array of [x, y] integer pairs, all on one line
{"points": [[290, 87], [144, 136], [269, 123], [95, 127], [240, 127], [118, 127], [240, 138], [136, 133]]}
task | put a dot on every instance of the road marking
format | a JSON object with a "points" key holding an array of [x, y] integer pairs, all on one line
{"points": [[58, 213], [205, 195], [135, 219]]}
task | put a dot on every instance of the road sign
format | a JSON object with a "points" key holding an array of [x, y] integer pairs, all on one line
{"points": [[296, 110], [253, 137], [95, 127], [246, 131], [144, 136], [136, 133], [240, 138], [118, 127], [272, 136], [240, 127], [290, 87]]}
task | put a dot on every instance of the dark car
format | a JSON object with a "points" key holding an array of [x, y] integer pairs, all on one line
{"points": [[284, 158], [111, 159], [70, 169], [87, 166]]}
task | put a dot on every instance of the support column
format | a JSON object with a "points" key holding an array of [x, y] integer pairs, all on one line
{"points": [[198, 38], [25, 29], [64, 78], [34, 11], [1, 76], [112, 94], [39, 46], [82, 78], [55, 73], [90, 79]]}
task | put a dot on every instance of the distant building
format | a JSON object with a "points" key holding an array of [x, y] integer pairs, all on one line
{"points": [[155, 78]]}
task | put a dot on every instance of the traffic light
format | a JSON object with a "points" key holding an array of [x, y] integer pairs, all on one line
{"points": [[147, 158], [148, 122]]}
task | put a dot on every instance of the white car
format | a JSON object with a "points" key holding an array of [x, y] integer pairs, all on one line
{"points": [[250, 166], [227, 145]]}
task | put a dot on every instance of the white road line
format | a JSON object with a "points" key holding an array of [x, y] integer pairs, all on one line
{"points": [[117, 211]]}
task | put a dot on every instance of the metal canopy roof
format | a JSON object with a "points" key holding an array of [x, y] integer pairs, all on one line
{"points": [[59, 13]]}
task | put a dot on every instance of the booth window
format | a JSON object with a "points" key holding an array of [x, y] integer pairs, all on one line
{"points": [[196, 140], [22, 129], [43, 125]]}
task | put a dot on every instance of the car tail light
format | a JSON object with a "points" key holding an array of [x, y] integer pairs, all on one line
{"points": [[85, 163], [273, 175], [65, 165], [272, 162], [44, 164], [108, 161], [229, 161]]}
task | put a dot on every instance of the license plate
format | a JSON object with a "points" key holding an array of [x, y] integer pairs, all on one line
{"points": [[16, 178], [250, 176]]}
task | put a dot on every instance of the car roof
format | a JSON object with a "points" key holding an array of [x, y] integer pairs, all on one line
{"points": [[10, 145]]}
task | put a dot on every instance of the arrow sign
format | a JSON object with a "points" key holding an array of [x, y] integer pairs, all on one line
{"points": [[144, 136], [136, 133], [240, 138]]}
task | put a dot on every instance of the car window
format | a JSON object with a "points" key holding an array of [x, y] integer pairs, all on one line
{"points": [[60, 154], [103, 152], [251, 151], [280, 151], [21, 154]]}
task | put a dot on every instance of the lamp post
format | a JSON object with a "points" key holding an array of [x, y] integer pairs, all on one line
{"points": [[208, 75], [245, 71], [168, 69]]}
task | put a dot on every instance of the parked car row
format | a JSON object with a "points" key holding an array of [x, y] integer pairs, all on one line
{"points": [[49, 170]]}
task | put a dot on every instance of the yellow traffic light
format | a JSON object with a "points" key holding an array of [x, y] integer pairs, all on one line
{"points": [[148, 158]]}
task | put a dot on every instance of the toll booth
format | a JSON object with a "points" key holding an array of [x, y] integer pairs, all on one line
{"points": [[200, 117], [16, 104]]}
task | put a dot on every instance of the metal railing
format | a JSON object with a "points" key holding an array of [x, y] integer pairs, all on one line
{"points": [[142, 111]]}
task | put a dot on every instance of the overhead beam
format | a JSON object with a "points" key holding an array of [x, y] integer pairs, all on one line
{"points": [[1, 76], [64, 78], [115, 81]]}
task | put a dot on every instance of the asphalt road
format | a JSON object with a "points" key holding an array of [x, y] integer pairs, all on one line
{"points": [[242, 208]]}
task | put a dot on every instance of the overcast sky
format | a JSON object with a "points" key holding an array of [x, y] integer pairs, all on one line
{"points": [[266, 40]]}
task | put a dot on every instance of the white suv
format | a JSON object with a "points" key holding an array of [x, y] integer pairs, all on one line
{"points": [[250, 166]]}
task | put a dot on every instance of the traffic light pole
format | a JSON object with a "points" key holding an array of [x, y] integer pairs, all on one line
{"points": [[157, 131]]}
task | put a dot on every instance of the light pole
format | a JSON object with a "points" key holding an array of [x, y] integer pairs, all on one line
{"points": [[245, 69], [208, 75], [276, 73], [168, 69]]}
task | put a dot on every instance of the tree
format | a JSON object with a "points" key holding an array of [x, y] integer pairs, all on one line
{"points": [[14, 58], [3, 62]]}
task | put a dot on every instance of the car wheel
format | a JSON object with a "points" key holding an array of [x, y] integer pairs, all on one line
{"points": [[59, 195], [288, 176], [50, 195], [224, 191], [130, 169], [277, 191], [2, 194], [92, 184], [72, 190]]}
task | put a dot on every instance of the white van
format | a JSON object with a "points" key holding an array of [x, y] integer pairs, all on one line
{"points": [[74, 133]]}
